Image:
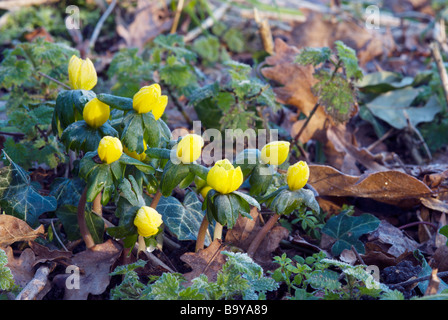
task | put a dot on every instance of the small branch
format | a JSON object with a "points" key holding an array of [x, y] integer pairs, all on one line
{"points": [[180, 6], [207, 23], [434, 46], [99, 25], [296, 138], [85, 233], [416, 280], [54, 80], [417, 223], [36, 285], [262, 234]]}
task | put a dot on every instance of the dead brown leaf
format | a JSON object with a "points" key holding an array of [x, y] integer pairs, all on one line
{"points": [[208, 261], [13, 229], [151, 19], [44, 254], [96, 264], [245, 230], [392, 187], [22, 267]]}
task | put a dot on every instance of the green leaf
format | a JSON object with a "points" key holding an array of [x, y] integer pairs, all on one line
{"points": [[348, 56], [444, 231], [207, 47], [18, 197], [172, 176], [79, 136], [120, 103], [182, 219], [6, 277], [139, 127], [144, 167], [313, 56], [69, 107], [68, 216], [383, 81], [67, 190], [392, 106], [347, 230], [234, 40]]}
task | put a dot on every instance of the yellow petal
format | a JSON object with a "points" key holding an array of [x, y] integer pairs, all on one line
{"points": [[237, 179], [96, 113], [147, 98], [189, 148], [147, 221], [224, 178], [87, 77], [275, 153], [297, 175], [74, 66], [110, 149], [134, 154], [159, 107]]}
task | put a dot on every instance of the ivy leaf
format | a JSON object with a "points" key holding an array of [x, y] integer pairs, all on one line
{"points": [[67, 191], [347, 230], [182, 219], [18, 197]]}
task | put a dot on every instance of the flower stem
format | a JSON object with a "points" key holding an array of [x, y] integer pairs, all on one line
{"points": [[200, 241], [262, 234], [217, 234], [156, 199], [97, 206], [85, 233]]}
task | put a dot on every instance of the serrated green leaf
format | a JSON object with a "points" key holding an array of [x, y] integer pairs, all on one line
{"points": [[313, 56], [348, 56]]}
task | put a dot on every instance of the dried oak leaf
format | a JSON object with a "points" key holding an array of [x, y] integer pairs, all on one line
{"points": [[391, 187], [208, 261], [13, 229], [96, 265], [245, 230], [44, 254]]}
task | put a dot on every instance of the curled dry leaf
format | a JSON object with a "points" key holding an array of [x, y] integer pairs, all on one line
{"points": [[391, 187], [208, 261], [13, 229]]}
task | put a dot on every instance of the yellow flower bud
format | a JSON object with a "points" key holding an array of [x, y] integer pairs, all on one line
{"points": [[96, 113], [81, 74], [147, 221], [205, 190], [134, 154], [275, 153], [224, 178], [189, 148], [110, 149], [297, 175], [150, 98]]}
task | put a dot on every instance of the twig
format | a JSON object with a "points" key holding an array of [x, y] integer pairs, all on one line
{"points": [[54, 80], [357, 255], [296, 138], [99, 25], [416, 280], [417, 223], [57, 236], [207, 23], [440, 67], [36, 285], [262, 234], [380, 140], [180, 6]]}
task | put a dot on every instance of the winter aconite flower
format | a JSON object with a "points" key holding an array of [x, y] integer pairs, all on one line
{"points": [[134, 154], [96, 113], [205, 190], [148, 99], [147, 221], [275, 153], [189, 148], [224, 178], [81, 74], [110, 149], [297, 175]]}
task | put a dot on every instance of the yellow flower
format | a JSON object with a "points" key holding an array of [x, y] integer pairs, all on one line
{"points": [[134, 154], [81, 74], [275, 153], [224, 178], [150, 98], [189, 148], [147, 221], [96, 113], [297, 175], [110, 149], [205, 190]]}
